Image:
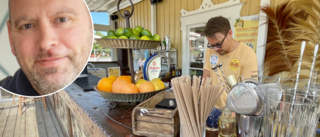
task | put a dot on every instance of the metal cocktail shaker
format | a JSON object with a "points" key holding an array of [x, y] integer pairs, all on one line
{"points": [[248, 106]]}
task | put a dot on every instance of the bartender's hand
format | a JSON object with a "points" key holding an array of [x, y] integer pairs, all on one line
{"points": [[206, 73]]}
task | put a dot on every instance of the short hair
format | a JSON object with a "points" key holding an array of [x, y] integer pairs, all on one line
{"points": [[215, 25]]}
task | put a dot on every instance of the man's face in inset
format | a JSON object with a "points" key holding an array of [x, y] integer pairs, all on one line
{"points": [[51, 39]]}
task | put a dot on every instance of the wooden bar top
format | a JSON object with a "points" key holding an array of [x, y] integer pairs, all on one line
{"points": [[94, 113], [97, 118]]}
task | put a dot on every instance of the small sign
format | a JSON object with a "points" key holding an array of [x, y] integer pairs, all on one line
{"points": [[214, 59], [114, 71], [234, 64], [246, 30], [153, 67]]}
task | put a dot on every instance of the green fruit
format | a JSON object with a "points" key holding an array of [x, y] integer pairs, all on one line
{"points": [[128, 32], [146, 32], [144, 38], [135, 32], [111, 33], [119, 32], [156, 37], [123, 37], [138, 28], [111, 37], [134, 37]]}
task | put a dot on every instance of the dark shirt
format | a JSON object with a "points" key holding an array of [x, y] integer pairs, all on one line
{"points": [[19, 84]]}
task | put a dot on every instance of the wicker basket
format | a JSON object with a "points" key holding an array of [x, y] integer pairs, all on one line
{"points": [[128, 43], [119, 97]]}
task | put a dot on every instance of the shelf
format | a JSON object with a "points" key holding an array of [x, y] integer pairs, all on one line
{"points": [[170, 63], [196, 68], [196, 48], [164, 51], [127, 43], [197, 60]]}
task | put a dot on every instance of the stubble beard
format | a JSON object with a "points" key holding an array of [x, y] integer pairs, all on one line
{"points": [[41, 80], [44, 84], [221, 52]]}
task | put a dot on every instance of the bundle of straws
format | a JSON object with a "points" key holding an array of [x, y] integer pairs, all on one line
{"points": [[195, 103]]}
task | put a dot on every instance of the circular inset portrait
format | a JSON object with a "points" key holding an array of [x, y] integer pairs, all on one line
{"points": [[50, 40]]}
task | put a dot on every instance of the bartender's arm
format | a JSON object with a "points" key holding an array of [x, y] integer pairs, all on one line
{"points": [[206, 73], [206, 67]]}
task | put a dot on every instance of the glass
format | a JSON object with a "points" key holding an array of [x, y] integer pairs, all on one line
{"points": [[314, 95], [196, 46], [315, 78], [196, 55], [197, 42], [198, 65], [314, 89], [101, 55], [249, 126], [195, 38], [192, 131], [286, 116], [313, 125], [217, 45], [227, 124], [196, 72]]}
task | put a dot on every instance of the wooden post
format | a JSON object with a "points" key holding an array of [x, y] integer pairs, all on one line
{"points": [[54, 102], [20, 106], [69, 122], [44, 102], [14, 100], [123, 61]]}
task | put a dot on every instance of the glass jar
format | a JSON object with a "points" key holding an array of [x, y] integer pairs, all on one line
{"points": [[227, 124]]}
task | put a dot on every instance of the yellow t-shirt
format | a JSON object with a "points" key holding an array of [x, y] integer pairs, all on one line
{"points": [[240, 62]]}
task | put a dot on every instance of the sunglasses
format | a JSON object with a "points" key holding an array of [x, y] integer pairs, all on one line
{"points": [[217, 45]]}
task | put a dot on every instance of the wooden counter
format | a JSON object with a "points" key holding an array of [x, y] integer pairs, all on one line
{"points": [[87, 114]]}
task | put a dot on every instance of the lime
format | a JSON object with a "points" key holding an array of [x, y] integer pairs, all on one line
{"points": [[156, 37], [144, 38], [119, 32], [138, 28], [134, 37], [123, 37], [111, 37], [111, 33], [135, 32], [128, 32], [146, 32]]}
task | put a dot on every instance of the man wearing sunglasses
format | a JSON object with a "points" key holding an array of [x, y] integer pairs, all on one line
{"points": [[238, 58]]}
